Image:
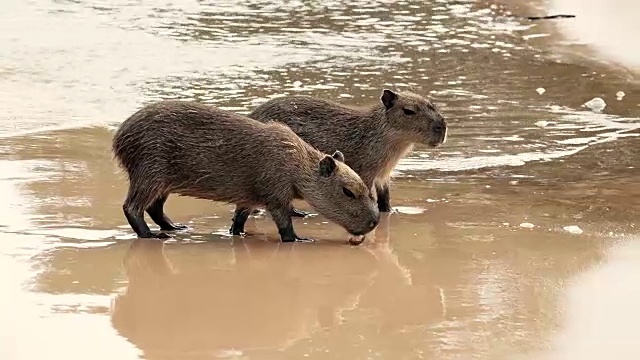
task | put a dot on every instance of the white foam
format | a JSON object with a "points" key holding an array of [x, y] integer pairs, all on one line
{"points": [[573, 229]]}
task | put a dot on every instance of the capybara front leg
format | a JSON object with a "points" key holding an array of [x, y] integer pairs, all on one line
{"points": [[384, 198], [156, 212], [282, 217], [240, 216]]}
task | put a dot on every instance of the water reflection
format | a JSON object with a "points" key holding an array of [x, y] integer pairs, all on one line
{"points": [[260, 299], [265, 297], [270, 298]]}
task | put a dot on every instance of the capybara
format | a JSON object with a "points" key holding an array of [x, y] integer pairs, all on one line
{"points": [[373, 139], [197, 150]]}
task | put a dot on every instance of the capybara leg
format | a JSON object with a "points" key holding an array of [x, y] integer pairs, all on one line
{"points": [[156, 212], [382, 191], [282, 217], [240, 216], [135, 214], [137, 223], [298, 213]]}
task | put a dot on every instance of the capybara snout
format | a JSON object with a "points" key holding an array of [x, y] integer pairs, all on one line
{"points": [[438, 132], [370, 226], [343, 197]]}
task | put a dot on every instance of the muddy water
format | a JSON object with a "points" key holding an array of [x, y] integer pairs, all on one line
{"points": [[517, 239]]}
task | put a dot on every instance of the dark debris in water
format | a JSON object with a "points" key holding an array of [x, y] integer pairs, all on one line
{"points": [[558, 16]]}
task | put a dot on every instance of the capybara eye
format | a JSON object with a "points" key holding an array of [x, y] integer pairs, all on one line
{"points": [[348, 193], [409, 112]]}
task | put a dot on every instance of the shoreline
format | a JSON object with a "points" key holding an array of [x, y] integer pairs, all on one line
{"points": [[600, 34], [576, 40], [606, 27]]}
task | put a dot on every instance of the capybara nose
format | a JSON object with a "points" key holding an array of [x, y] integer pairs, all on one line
{"points": [[438, 127], [373, 224]]}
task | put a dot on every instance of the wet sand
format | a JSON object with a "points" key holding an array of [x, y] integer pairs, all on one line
{"points": [[517, 239]]}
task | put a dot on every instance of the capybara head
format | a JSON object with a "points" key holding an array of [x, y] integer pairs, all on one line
{"points": [[414, 116], [339, 194]]}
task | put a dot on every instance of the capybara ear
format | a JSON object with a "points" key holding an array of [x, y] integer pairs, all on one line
{"points": [[327, 166], [388, 98], [338, 155]]}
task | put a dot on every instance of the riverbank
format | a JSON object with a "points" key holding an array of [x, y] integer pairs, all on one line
{"points": [[609, 28]]}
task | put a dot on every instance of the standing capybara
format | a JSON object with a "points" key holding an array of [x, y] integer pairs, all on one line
{"points": [[373, 139], [197, 150]]}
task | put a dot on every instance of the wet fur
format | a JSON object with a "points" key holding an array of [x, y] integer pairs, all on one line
{"points": [[373, 139], [196, 150]]}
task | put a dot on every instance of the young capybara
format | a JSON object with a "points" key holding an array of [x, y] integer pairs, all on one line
{"points": [[373, 139], [192, 149]]}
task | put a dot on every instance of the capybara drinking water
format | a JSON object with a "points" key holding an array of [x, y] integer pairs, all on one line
{"points": [[373, 139], [192, 149]]}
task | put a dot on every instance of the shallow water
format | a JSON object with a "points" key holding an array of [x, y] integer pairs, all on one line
{"points": [[482, 259]]}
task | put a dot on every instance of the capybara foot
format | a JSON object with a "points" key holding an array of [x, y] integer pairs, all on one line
{"points": [[282, 218], [237, 232], [174, 227], [298, 213], [384, 207], [237, 229], [296, 238], [152, 235], [240, 216]]}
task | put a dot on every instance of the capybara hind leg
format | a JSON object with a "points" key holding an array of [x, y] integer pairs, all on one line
{"points": [[137, 223], [240, 216], [282, 217], [298, 213], [134, 212], [384, 203], [156, 213]]}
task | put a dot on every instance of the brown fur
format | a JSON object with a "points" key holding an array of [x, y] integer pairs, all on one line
{"points": [[373, 139], [201, 151]]}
